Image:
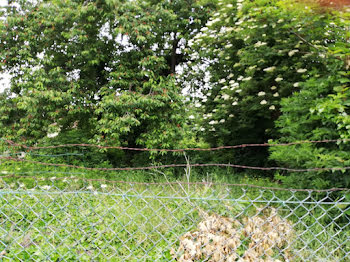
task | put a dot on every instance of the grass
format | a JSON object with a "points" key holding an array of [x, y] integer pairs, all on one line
{"points": [[50, 218]]}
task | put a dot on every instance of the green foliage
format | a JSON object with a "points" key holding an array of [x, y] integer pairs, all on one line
{"points": [[106, 72], [104, 68], [256, 53], [320, 110]]}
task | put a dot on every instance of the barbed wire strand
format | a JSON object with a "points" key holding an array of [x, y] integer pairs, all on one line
{"points": [[180, 165], [13, 144], [177, 183]]}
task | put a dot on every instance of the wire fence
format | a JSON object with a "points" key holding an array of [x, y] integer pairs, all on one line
{"points": [[14, 153], [61, 212], [73, 219]]}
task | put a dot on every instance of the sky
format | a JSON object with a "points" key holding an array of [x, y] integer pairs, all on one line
{"points": [[4, 78]]}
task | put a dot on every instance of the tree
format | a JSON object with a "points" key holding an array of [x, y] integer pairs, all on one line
{"points": [[320, 110], [256, 52], [104, 67]]}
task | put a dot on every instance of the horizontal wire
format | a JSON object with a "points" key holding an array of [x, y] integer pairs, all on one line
{"points": [[181, 165], [178, 183], [139, 196], [11, 143]]}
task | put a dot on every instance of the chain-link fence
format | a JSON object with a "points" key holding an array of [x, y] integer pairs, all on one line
{"points": [[71, 219]]}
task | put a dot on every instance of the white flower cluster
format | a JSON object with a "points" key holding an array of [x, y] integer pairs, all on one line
{"points": [[293, 52], [212, 22], [279, 79], [270, 69], [301, 70], [226, 97], [259, 44], [240, 5], [52, 135]]}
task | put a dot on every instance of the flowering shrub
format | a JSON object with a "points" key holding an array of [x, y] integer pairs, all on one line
{"points": [[257, 54]]}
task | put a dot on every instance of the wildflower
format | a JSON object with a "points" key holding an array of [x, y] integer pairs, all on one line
{"points": [[272, 107], [262, 93], [235, 103], [238, 90], [230, 76], [270, 69], [103, 186], [213, 122], [273, 87], [222, 121], [228, 46], [231, 115], [191, 117], [247, 78], [90, 187], [222, 81], [276, 95], [263, 102], [4, 172], [296, 84], [198, 105]]}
